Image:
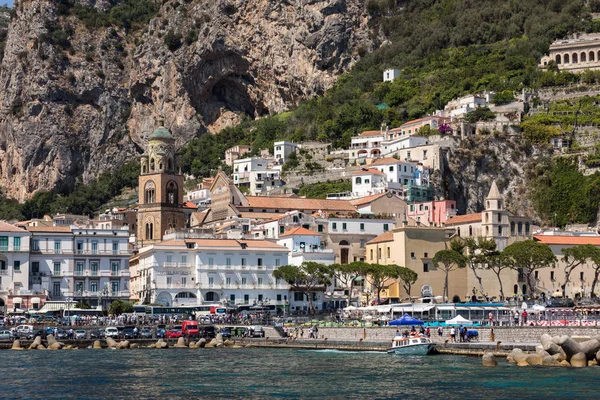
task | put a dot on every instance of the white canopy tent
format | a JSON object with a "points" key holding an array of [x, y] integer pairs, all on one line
{"points": [[350, 308], [459, 320]]}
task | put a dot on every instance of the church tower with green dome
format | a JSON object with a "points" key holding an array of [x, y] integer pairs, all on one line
{"points": [[160, 189]]}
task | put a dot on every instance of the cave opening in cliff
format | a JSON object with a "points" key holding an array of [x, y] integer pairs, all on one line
{"points": [[230, 94]]}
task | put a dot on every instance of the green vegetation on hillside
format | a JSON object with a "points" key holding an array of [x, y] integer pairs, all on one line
{"points": [[562, 194], [84, 200], [128, 14], [321, 189], [444, 49]]}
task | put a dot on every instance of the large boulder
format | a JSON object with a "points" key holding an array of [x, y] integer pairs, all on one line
{"points": [[180, 342], [201, 343], [590, 348], [229, 343], [560, 356], [97, 344], [489, 360], [55, 346], [51, 340], [598, 357], [17, 345], [519, 356], [578, 360], [550, 361], [112, 343], [592, 363], [123, 344], [565, 363], [219, 338], [41, 347], [534, 360], [549, 345], [570, 346], [134, 345], [539, 350], [36, 342]]}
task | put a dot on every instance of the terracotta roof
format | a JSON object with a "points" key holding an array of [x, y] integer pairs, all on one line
{"points": [[568, 240], [276, 218], [370, 133], [6, 227], [250, 244], [384, 237], [200, 216], [368, 171], [368, 199], [386, 161], [174, 242], [286, 203], [300, 231], [189, 204], [66, 229], [463, 219], [269, 216], [415, 121]]}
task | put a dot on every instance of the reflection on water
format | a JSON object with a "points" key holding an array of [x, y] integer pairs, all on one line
{"points": [[267, 373]]}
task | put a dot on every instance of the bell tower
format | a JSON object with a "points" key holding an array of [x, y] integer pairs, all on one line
{"points": [[160, 189], [494, 222]]}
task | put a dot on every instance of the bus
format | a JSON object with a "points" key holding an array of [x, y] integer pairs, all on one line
{"points": [[82, 312], [199, 311]]}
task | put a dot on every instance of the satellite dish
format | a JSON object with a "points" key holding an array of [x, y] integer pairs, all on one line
{"points": [[426, 291]]}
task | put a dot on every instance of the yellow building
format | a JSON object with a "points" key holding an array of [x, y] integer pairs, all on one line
{"points": [[414, 247]]}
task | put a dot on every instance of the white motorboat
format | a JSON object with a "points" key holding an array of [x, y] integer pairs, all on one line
{"points": [[411, 346]]}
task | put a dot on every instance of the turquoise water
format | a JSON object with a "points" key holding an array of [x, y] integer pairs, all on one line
{"points": [[268, 373]]}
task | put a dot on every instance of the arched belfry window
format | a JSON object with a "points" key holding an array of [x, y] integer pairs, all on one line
{"points": [[172, 193], [149, 231], [170, 165], [152, 165], [149, 193]]}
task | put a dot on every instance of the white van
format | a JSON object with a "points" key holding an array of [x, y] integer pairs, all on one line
{"points": [[24, 329], [111, 331]]}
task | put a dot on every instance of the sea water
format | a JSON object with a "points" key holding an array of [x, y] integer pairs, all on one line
{"points": [[275, 373]]}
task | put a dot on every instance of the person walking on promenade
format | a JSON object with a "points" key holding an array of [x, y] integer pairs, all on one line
{"points": [[453, 334]]}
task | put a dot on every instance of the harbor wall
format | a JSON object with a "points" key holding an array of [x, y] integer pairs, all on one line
{"points": [[515, 334]]}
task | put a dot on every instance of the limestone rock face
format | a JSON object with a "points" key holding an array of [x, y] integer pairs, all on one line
{"points": [[89, 106]]}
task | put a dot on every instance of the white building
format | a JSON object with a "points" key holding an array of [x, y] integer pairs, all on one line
{"points": [[282, 151], [368, 181], [389, 75], [14, 270], [256, 174], [80, 264], [306, 246], [461, 106], [203, 271]]}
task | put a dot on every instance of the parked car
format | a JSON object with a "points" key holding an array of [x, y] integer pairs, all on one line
{"points": [[226, 333], [129, 333], [111, 332], [97, 334], [146, 333], [80, 334], [161, 333], [256, 331], [62, 334], [34, 334], [207, 332], [6, 335], [174, 333], [22, 330]]}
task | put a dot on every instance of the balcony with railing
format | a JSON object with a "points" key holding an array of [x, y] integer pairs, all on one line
{"points": [[175, 265]]}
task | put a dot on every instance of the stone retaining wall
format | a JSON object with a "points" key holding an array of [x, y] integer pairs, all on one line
{"points": [[526, 334]]}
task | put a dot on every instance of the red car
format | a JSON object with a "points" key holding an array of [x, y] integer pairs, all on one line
{"points": [[174, 333]]}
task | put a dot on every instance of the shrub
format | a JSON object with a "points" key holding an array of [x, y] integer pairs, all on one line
{"points": [[172, 40]]}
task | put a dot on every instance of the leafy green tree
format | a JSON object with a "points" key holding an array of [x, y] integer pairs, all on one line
{"points": [[480, 114], [378, 275], [347, 274], [528, 256], [408, 277], [497, 262], [119, 307], [309, 277], [448, 260], [82, 304], [576, 256], [477, 251]]}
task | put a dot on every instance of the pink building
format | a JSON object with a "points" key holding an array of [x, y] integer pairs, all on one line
{"points": [[432, 213]]}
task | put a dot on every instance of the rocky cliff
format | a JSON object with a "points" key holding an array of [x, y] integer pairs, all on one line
{"points": [[471, 167], [78, 99]]}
